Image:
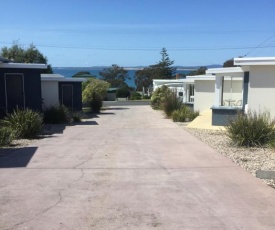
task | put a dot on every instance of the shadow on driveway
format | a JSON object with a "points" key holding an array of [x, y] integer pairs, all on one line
{"points": [[16, 158], [85, 123]]}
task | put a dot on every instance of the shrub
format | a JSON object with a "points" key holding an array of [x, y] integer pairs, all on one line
{"points": [[6, 136], [193, 114], [158, 96], [184, 114], [77, 116], [171, 103], [56, 115], [94, 86], [96, 103], [135, 96], [251, 129], [123, 92], [24, 123], [146, 97]]}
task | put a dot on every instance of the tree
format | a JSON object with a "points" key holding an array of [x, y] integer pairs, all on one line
{"points": [[21, 54], [162, 70], [83, 74], [229, 63], [143, 78], [94, 93], [199, 71], [115, 75]]}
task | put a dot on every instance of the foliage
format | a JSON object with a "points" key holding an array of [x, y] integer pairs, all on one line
{"points": [[77, 116], [115, 75], [171, 103], [229, 63], [143, 78], [19, 53], [158, 96], [123, 92], [84, 74], [135, 96], [199, 71], [146, 97], [193, 114], [96, 86], [162, 70], [184, 114], [251, 129], [24, 123], [6, 136], [56, 115], [96, 103]]}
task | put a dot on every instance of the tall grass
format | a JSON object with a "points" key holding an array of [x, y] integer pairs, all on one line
{"points": [[252, 129], [171, 103], [24, 123], [6, 136], [159, 96], [184, 114], [56, 115]]}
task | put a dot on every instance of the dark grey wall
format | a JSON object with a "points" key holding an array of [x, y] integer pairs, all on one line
{"points": [[222, 116], [32, 86], [245, 88], [77, 94]]}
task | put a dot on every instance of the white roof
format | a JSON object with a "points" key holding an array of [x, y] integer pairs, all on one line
{"points": [[58, 77], [254, 61], [229, 71], [23, 66], [201, 77], [173, 81]]}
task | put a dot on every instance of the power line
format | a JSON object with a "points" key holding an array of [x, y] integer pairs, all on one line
{"points": [[157, 48], [260, 45]]}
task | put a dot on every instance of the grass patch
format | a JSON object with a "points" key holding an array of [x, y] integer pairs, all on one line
{"points": [[252, 129]]}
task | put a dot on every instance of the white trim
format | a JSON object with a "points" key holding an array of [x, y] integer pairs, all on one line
{"points": [[201, 77], [60, 78], [179, 81], [23, 66], [255, 61], [230, 71]]}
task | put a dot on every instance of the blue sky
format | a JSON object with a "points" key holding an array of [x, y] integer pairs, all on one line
{"points": [[132, 32]]}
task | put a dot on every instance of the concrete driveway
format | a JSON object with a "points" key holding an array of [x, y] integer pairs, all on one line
{"points": [[129, 168]]}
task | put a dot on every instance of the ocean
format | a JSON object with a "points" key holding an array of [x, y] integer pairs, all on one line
{"points": [[68, 72]]}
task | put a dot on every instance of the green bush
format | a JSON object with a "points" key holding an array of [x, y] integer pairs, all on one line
{"points": [[77, 116], [96, 103], [56, 115], [193, 114], [184, 114], [171, 103], [251, 129], [135, 96], [146, 97], [6, 136], [123, 92], [158, 97], [24, 123]]}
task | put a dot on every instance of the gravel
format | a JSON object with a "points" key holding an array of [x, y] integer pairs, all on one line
{"points": [[251, 159]]}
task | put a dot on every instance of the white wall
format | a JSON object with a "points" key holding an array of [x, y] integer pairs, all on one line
{"points": [[204, 95], [261, 92], [50, 93]]}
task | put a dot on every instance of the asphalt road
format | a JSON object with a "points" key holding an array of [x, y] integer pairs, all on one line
{"points": [[128, 168]]}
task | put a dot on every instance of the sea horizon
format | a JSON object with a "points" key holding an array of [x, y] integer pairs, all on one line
{"points": [[68, 72]]}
